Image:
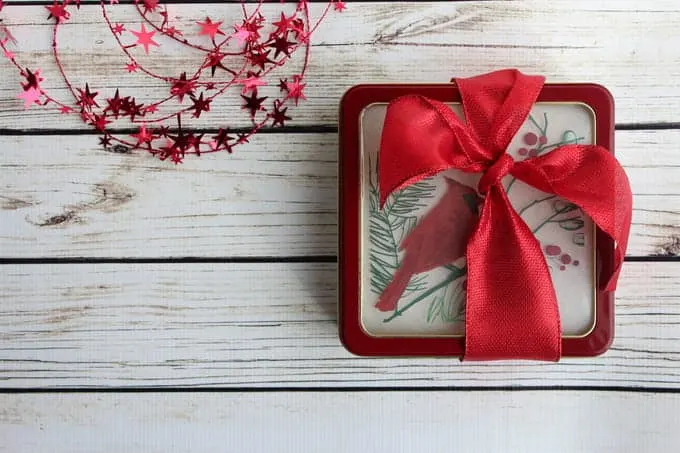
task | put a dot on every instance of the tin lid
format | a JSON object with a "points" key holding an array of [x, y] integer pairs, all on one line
{"points": [[431, 310]]}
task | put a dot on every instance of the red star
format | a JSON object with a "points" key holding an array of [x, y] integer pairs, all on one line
{"points": [[105, 141], [279, 116], [58, 12], [144, 136], [339, 6], [253, 103], [30, 97], [298, 28], [295, 88], [145, 38], [194, 142], [132, 67], [200, 105], [115, 104], [86, 99], [283, 25], [281, 45], [131, 108], [241, 34], [251, 82], [150, 5], [32, 79], [214, 61], [260, 59], [65, 109], [222, 140], [100, 122], [182, 87], [210, 28], [118, 29], [152, 108], [172, 32]]}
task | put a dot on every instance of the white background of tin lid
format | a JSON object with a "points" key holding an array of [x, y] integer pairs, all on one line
{"points": [[267, 325]]}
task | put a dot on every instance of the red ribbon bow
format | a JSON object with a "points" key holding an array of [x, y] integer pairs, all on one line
{"points": [[511, 308]]}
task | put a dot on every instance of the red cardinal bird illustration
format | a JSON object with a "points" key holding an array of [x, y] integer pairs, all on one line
{"points": [[439, 238]]}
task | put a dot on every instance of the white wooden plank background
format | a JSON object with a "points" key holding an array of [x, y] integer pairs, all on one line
{"points": [[617, 43], [274, 325], [252, 320], [394, 422]]}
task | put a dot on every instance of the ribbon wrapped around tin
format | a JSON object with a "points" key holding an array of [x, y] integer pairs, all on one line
{"points": [[511, 309]]}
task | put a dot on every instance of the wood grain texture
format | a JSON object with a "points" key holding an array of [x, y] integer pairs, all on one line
{"points": [[274, 325], [612, 42], [396, 422], [62, 196]]}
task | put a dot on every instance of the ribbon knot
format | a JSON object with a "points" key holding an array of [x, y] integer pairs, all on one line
{"points": [[511, 307], [495, 173]]}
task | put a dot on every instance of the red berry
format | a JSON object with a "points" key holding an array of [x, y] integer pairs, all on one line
{"points": [[553, 250], [562, 268], [575, 263], [566, 259], [523, 151], [533, 152], [542, 139], [530, 138]]}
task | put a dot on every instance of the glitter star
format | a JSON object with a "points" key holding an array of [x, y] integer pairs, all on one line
{"points": [[200, 105], [145, 38], [115, 104], [279, 115], [284, 24], [295, 88], [251, 83], [100, 122], [210, 28], [58, 12], [118, 29], [253, 103], [222, 140], [281, 45], [150, 5], [182, 87], [214, 61], [86, 99], [144, 136], [242, 35], [30, 97]]}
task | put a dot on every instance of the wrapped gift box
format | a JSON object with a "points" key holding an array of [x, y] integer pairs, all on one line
{"points": [[428, 319]]}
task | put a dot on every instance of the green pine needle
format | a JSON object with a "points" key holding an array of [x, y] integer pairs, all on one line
{"points": [[389, 226]]}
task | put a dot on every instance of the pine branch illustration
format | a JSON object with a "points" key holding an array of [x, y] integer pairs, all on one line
{"points": [[389, 226]]}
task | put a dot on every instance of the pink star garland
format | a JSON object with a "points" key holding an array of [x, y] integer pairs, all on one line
{"points": [[259, 52]]}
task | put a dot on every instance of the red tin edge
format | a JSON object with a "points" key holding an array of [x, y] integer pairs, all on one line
{"points": [[353, 337]]}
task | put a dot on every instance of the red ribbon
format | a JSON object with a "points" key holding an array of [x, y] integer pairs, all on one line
{"points": [[511, 308]]}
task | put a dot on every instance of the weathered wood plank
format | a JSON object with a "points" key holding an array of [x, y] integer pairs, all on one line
{"points": [[62, 196], [610, 42], [233, 325], [576, 422]]}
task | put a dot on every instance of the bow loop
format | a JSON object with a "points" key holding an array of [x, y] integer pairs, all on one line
{"points": [[496, 172]]}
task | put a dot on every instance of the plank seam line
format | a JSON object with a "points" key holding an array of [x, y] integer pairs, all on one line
{"points": [[240, 260], [571, 388]]}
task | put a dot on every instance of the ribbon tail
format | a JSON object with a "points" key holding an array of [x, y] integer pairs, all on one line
{"points": [[511, 310]]}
